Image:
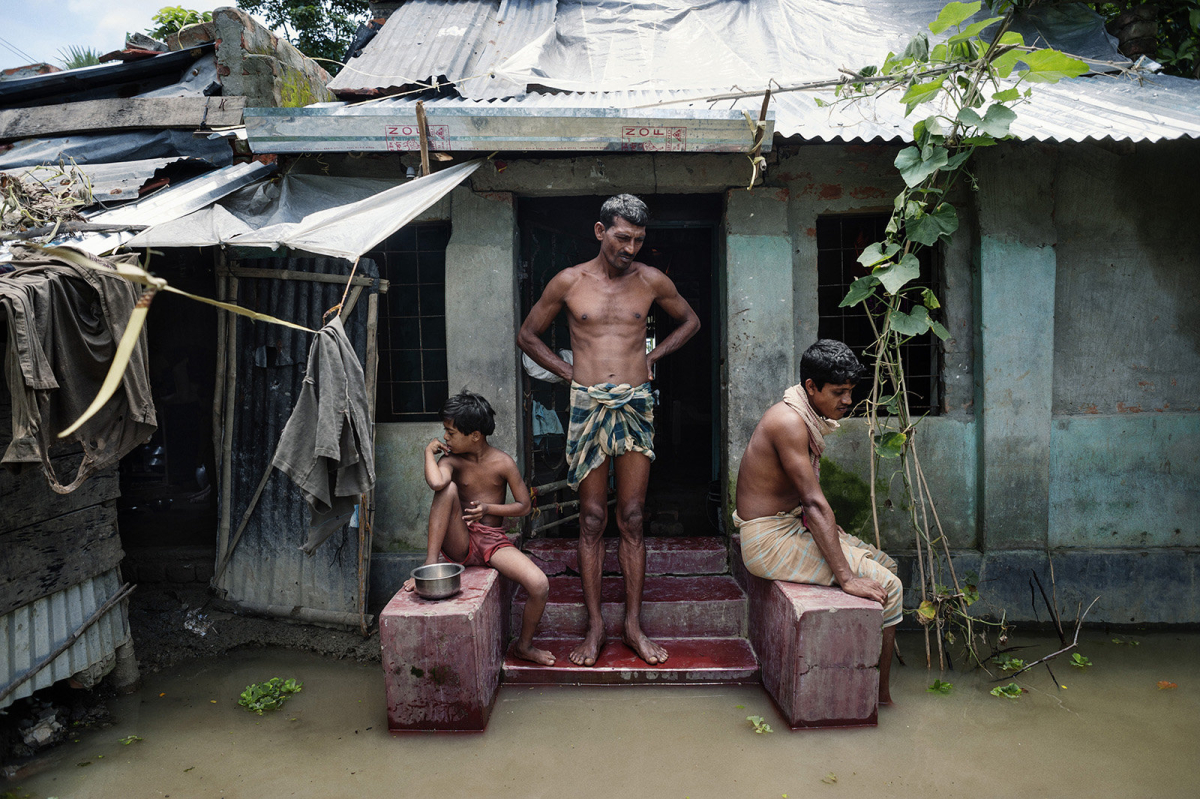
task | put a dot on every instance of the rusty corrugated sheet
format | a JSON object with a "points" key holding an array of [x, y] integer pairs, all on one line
{"points": [[267, 571], [31, 632]]}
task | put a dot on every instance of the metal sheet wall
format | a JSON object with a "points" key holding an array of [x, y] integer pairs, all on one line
{"points": [[31, 632], [267, 572]]}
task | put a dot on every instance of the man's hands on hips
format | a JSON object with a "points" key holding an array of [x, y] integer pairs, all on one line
{"points": [[866, 588]]}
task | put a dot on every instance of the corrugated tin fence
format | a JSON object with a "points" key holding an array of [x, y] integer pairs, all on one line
{"points": [[260, 372]]}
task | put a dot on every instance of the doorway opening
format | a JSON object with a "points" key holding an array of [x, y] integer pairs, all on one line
{"points": [[682, 241]]}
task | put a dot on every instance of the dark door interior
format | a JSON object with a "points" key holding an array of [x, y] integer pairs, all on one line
{"points": [[557, 233]]}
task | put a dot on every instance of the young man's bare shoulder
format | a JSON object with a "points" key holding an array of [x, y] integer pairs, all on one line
{"points": [[784, 425], [499, 461]]}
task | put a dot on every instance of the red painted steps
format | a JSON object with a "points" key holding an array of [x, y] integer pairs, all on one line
{"points": [[698, 606], [692, 661], [691, 555]]}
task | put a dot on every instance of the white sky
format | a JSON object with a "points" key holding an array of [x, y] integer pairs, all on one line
{"points": [[39, 29]]}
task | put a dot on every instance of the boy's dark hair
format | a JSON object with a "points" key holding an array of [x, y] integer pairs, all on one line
{"points": [[469, 412], [626, 206], [830, 361]]}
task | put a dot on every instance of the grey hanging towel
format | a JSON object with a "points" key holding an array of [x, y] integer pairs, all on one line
{"points": [[326, 444]]}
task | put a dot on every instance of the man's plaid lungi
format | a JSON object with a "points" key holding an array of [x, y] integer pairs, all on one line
{"points": [[607, 420]]}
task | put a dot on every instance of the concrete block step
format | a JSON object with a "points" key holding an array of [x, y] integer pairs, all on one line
{"points": [[676, 607], [690, 555], [692, 661]]}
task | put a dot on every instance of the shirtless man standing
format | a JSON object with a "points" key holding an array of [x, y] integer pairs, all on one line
{"points": [[788, 530], [612, 411]]}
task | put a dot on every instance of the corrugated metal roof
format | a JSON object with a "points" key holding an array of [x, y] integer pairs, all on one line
{"points": [[601, 55], [1097, 108], [31, 632]]}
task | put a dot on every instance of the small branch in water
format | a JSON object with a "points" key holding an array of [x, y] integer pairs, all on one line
{"points": [[1062, 638], [1074, 643]]}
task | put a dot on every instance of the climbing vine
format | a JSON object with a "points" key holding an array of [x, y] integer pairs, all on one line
{"points": [[962, 87]]}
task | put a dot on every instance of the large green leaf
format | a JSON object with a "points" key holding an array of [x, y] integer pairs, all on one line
{"points": [[859, 290], [922, 92], [911, 324], [994, 122], [894, 276], [1006, 96], [1051, 66], [953, 14], [878, 252], [890, 444], [1006, 62], [929, 228], [915, 165], [974, 29]]}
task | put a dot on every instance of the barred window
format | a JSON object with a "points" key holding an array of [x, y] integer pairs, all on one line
{"points": [[840, 240], [412, 324]]}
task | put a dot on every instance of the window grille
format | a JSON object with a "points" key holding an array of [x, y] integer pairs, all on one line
{"points": [[840, 240], [412, 324]]}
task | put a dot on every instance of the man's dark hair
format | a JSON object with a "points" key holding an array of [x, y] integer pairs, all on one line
{"points": [[830, 361], [469, 412], [626, 206]]}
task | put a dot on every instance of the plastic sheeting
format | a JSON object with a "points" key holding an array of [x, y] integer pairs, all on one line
{"points": [[114, 147], [496, 49], [618, 45], [335, 216]]}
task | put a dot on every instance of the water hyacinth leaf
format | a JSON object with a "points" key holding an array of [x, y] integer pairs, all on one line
{"points": [[940, 687], [930, 227], [913, 323], [859, 290], [1010, 691], [877, 253], [953, 14], [915, 167], [891, 444], [1050, 66], [972, 30], [895, 276]]}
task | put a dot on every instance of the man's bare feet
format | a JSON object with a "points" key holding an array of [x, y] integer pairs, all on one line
{"points": [[532, 653], [586, 653], [646, 649]]}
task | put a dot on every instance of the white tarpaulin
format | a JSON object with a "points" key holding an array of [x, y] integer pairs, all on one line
{"points": [[334, 216]]}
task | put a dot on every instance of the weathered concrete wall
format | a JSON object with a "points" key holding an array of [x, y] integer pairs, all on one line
{"points": [[758, 315], [481, 355], [256, 64], [482, 308]]}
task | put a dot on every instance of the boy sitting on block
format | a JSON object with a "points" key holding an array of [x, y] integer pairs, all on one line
{"points": [[469, 483]]}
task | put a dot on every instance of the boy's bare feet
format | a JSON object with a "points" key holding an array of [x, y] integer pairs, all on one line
{"points": [[586, 653], [646, 649], [532, 653]]}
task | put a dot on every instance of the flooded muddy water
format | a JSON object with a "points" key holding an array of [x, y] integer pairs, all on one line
{"points": [[1112, 732]]}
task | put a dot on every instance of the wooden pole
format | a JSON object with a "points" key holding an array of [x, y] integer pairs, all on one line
{"points": [[366, 511], [227, 414], [423, 131]]}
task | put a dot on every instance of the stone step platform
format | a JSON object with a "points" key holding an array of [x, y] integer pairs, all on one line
{"points": [[683, 555], [692, 661], [700, 606]]}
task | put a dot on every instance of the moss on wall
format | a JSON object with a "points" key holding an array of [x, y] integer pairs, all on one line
{"points": [[848, 495]]}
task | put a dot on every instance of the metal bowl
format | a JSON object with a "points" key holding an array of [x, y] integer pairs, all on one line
{"points": [[438, 580]]}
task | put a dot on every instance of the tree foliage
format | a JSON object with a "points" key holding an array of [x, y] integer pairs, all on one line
{"points": [[172, 19], [1177, 40], [321, 30]]}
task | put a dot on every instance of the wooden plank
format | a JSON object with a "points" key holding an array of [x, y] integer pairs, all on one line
{"points": [[46, 557], [291, 274], [130, 113], [28, 499]]}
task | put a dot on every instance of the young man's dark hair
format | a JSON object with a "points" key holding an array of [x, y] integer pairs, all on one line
{"points": [[830, 361], [626, 206], [469, 412]]}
